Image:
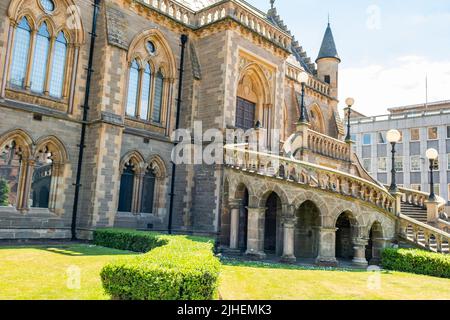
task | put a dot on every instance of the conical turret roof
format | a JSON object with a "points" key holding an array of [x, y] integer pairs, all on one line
{"points": [[328, 48]]}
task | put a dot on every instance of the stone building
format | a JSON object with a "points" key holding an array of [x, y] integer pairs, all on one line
{"points": [[92, 92], [423, 126]]}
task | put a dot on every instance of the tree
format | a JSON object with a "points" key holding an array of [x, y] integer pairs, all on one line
{"points": [[4, 192]]}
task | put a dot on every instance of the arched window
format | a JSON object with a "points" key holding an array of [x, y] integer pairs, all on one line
{"points": [[146, 92], [42, 180], [158, 100], [10, 170], [148, 191], [133, 87], [58, 66], [39, 72], [126, 189], [20, 54]]}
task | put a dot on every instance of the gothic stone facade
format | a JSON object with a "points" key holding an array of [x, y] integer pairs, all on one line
{"points": [[236, 57]]}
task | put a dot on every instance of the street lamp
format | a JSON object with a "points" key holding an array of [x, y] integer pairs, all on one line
{"points": [[432, 155], [303, 78], [349, 102], [393, 137]]}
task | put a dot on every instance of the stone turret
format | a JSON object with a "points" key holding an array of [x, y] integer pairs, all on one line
{"points": [[328, 62]]}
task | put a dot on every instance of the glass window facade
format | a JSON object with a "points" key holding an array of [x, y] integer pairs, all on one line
{"points": [[20, 53]]}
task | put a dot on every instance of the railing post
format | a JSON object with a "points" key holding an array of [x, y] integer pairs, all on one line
{"points": [[302, 128], [432, 211]]}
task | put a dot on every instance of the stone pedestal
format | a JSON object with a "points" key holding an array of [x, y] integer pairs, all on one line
{"points": [[327, 247], [359, 257], [432, 211], [255, 234], [288, 241]]}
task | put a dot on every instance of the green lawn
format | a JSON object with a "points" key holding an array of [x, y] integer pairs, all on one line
{"points": [[52, 273]]}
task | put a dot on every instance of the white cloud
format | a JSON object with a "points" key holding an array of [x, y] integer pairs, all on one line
{"points": [[379, 87]]}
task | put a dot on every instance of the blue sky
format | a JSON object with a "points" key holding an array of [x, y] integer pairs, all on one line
{"points": [[387, 46]]}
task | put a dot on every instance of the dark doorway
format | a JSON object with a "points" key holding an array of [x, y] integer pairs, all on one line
{"points": [[344, 243], [245, 114], [270, 223], [148, 191], [243, 222]]}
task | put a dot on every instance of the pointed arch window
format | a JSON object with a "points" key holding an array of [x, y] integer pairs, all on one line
{"points": [[148, 191], [40, 60], [133, 87], [10, 172], [58, 66], [146, 92], [158, 100], [20, 54], [126, 188]]}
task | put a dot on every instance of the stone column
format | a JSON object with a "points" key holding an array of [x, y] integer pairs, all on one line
{"points": [[327, 247], [288, 240], [234, 224], [255, 234], [359, 257]]}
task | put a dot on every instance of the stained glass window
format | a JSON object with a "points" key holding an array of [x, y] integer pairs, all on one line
{"points": [[158, 99], [20, 53], [133, 84], [58, 66], [145, 93], [40, 60]]}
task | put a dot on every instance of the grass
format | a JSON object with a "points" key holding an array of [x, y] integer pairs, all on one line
{"points": [[45, 272]]}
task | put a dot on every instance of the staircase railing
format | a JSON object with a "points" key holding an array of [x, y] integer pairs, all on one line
{"points": [[418, 198], [305, 173], [424, 235]]}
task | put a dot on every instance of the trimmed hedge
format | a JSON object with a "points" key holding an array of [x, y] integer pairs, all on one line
{"points": [[416, 261], [178, 267]]}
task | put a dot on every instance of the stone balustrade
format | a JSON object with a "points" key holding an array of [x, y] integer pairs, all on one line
{"points": [[293, 72], [419, 198], [237, 10], [328, 146], [308, 174], [424, 235]]}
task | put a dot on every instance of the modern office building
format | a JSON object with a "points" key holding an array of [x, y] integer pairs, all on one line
{"points": [[422, 126]]}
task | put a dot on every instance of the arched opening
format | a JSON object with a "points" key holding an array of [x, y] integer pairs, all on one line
{"points": [[316, 119], [344, 236], [375, 245], [225, 218], [306, 231], [272, 225]]}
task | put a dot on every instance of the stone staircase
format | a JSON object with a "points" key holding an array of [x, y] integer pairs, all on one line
{"points": [[414, 212]]}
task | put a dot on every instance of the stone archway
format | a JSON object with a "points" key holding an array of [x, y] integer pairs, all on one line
{"points": [[346, 229], [238, 205], [272, 224], [307, 230]]}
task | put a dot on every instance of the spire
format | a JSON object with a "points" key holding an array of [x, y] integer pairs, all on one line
{"points": [[272, 3], [328, 48]]}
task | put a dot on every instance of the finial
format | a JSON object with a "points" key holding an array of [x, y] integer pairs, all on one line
{"points": [[328, 18], [272, 3]]}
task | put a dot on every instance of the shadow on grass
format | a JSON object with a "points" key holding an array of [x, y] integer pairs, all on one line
{"points": [[232, 262], [74, 250]]}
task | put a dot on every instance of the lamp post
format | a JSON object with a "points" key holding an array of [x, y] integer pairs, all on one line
{"points": [[432, 155], [303, 78], [349, 102], [393, 137]]}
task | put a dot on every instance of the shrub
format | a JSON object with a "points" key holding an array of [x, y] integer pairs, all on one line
{"points": [[416, 261], [178, 268]]}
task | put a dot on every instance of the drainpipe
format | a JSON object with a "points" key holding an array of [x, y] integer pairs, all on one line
{"points": [[81, 146], [184, 39]]}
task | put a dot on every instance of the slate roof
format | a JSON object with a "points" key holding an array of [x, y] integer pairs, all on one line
{"points": [[328, 48]]}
